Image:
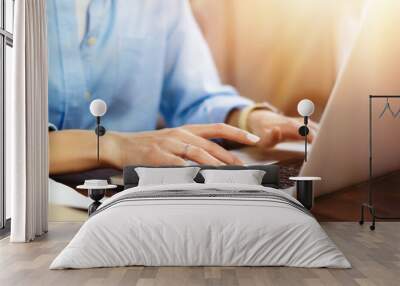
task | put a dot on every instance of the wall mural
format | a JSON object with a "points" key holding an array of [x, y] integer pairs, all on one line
{"points": [[171, 77]]}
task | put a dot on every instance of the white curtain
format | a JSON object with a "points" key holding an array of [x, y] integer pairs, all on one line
{"points": [[26, 117]]}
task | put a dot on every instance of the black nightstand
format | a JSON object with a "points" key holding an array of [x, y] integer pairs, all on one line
{"points": [[304, 190]]}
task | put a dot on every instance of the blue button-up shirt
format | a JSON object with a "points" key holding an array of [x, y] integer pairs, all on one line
{"points": [[144, 58]]}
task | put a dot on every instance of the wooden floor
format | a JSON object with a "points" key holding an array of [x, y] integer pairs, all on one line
{"points": [[375, 257]]}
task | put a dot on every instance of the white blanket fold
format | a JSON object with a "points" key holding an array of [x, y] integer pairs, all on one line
{"points": [[203, 225]]}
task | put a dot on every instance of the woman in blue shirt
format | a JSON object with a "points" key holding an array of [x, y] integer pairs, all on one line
{"points": [[144, 59]]}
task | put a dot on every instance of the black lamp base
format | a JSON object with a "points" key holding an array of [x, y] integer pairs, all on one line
{"points": [[303, 130], [100, 130]]}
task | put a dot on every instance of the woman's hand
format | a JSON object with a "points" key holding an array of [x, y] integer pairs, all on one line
{"points": [[174, 146], [274, 128]]}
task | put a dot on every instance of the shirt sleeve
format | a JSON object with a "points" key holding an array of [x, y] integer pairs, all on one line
{"points": [[192, 90]]}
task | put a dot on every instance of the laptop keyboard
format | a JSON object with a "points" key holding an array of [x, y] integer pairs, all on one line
{"points": [[289, 168]]}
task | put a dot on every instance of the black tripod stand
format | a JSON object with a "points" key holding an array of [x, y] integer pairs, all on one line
{"points": [[369, 205]]}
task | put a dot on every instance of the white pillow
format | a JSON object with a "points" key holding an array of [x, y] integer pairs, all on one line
{"points": [[166, 176], [247, 177]]}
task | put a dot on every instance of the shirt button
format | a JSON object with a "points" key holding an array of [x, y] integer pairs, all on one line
{"points": [[87, 95], [91, 41]]}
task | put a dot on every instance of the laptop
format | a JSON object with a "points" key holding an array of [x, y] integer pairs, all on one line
{"points": [[340, 151]]}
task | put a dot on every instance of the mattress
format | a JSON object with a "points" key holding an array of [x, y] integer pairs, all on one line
{"points": [[201, 225]]}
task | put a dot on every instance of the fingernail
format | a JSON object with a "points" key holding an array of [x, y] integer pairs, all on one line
{"points": [[253, 138]]}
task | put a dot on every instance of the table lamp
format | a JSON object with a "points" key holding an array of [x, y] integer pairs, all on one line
{"points": [[98, 108], [305, 108]]}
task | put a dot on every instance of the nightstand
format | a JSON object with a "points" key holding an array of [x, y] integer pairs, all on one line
{"points": [[304, 190], [96, 191]]}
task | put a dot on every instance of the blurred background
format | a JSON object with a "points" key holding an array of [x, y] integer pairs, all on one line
{"points": [[280, 50]]}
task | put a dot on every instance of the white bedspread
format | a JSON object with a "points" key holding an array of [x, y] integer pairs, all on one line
{"points": [[183, 231]]}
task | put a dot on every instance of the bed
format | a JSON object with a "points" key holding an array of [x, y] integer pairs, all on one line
{"points": [[201, 224]]}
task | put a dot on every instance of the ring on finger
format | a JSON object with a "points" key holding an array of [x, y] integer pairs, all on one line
{"points": [[186, 150]]}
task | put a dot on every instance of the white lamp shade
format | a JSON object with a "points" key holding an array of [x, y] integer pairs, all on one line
{"points": [[305, 107], [98, 107]]}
